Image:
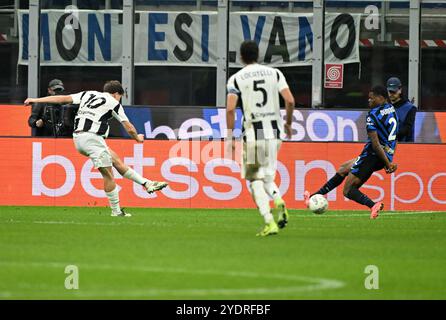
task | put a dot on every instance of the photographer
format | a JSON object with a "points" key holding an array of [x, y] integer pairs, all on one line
{"points": [[52, 119]]}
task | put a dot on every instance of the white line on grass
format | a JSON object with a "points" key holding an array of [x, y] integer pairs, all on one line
{"points": [[78, 223], [325, 215], [329, 214], [314, 284]]}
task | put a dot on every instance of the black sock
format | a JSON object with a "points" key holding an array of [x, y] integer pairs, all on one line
{"points": [[359, 197], [335, 181]]}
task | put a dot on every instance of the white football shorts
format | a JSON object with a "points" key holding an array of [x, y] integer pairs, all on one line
{"points": [[259, 159], [94, 147]]}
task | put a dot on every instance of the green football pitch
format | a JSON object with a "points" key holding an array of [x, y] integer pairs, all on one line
{"points": [[214, 254]]}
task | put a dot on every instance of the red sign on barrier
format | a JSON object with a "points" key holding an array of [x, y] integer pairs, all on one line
{"points": [[15, 120], [51, 172], [334, 75]]}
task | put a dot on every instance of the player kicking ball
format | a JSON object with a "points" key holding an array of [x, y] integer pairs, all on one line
{"points": [[406, 117], [382, 127], [257, 88], [90, 129]]}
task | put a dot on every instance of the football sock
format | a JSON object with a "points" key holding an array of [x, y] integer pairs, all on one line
{"points": [[271, 189], [135, 176], [113, 199], [261, 199], [335, 181], [359, 197]]}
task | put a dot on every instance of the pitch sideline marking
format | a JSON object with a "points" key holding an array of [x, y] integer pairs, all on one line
{"points": [[316, 284], [326, 215], [365, 214]]}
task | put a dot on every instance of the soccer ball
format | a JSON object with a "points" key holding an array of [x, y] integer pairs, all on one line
{"points": [[318, 204]]}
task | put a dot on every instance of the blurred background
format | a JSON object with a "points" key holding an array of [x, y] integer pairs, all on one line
{"points": [[383, 52]]}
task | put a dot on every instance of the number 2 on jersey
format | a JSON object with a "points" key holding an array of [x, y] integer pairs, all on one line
{"points": [[392, 135], [264, 94]]}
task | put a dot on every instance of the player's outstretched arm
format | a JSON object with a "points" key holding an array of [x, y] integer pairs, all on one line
{"points": [[131, 130], [289, 105], [50, 99]]}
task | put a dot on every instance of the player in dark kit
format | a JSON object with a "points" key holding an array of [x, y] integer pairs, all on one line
{"points": [[406, 119], [382, 128]]}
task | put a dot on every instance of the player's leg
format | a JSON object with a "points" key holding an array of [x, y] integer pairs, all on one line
{"points": [[251, 172], [269, 164], [262, 202], [129, 173], [359, 174], [333, 182], [261, 199], [270, 168], [273, 191], [338, 178], [351, 191], [109, 181], [112, 191], [96, 149]]}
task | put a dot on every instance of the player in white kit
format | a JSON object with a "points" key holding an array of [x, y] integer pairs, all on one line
{"points": [[257, 88], [90, 129]]}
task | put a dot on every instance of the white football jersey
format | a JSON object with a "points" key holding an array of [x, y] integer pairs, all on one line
{"points": [[259, 87], [95, 110]]}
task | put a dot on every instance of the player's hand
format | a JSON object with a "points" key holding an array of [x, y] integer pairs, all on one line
{"points": [[391, 168], [140, 138], [29, 101], [39, 123], [288, 131]]}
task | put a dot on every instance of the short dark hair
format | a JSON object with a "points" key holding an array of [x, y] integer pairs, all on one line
{"points": [[113, 86], [249, 50], [380, 91]]}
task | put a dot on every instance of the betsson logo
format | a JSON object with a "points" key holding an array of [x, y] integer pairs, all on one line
{"points": [[211, 179], [308, 126]]}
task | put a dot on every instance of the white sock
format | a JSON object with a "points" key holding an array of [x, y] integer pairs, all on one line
{"points": [[272, 189], [135, 176], [113, 199], [261, 200]]}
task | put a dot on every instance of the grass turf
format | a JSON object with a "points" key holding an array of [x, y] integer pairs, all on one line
{"points": [[214, 254]]}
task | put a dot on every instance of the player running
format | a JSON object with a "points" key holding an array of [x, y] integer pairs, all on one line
{"points": [[90, 129], [258, 87], [406, 112]]}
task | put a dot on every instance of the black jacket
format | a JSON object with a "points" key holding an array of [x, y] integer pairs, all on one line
{"points": [[49, 114], [406, 114], [58, 120]]}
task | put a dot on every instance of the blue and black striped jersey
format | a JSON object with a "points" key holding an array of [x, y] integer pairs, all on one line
{"points": [[384, 120]]}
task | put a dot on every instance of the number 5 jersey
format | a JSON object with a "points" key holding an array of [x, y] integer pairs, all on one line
{"points": [[258, 88]]}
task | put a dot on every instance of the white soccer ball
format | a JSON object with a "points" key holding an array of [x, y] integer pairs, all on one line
{"points": [[318, 204]]}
